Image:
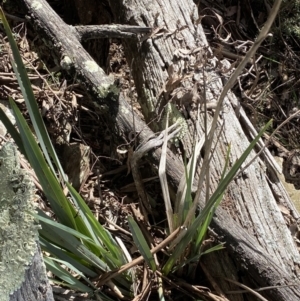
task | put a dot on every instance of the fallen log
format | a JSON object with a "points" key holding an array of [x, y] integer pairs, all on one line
{"points": [[260, 250], [23, 274]]}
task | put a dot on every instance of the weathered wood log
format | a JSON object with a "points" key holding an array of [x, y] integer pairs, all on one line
{"points": [[260, 250], [36, 286], [86, 12], [258, 241], [23, 273]]}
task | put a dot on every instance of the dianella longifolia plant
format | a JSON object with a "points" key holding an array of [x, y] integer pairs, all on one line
{"points": [[187, 215], [76, 240], [193, 223]]}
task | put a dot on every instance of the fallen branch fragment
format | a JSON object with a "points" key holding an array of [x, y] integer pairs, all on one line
{"points": [[89, 32]]}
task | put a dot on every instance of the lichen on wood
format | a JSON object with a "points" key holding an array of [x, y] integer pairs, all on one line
{"points": [[18, 229]]}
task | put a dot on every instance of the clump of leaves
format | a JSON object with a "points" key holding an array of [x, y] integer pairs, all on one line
{"points": [[76, 240]]}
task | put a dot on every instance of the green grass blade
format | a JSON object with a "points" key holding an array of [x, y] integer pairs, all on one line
{"points": [[74, 269], [203, 227], [141, 243], [48, 181], [182, 207], [98, 294], [30, 101], [97, 229], [213, 249], [74, 246], [191, 260], [226, 161], [229, 177], [61, 227], [59, 253], [60, 272], [83, 211], [62, 238], [117, 257]]}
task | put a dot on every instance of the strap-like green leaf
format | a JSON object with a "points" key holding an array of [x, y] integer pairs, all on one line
{"points": [[30, 101], [98, 231], [141, 243], [48, 180], [63, 274], [62, 254]]}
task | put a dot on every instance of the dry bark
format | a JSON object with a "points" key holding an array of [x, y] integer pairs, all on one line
{"points": [[36, 286], [260, 250], [86, 12], [91, 32]]}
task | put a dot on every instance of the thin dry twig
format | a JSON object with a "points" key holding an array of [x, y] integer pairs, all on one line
{"points": [[250, 290], [112, 274], [296, 114], [213, 282]]}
